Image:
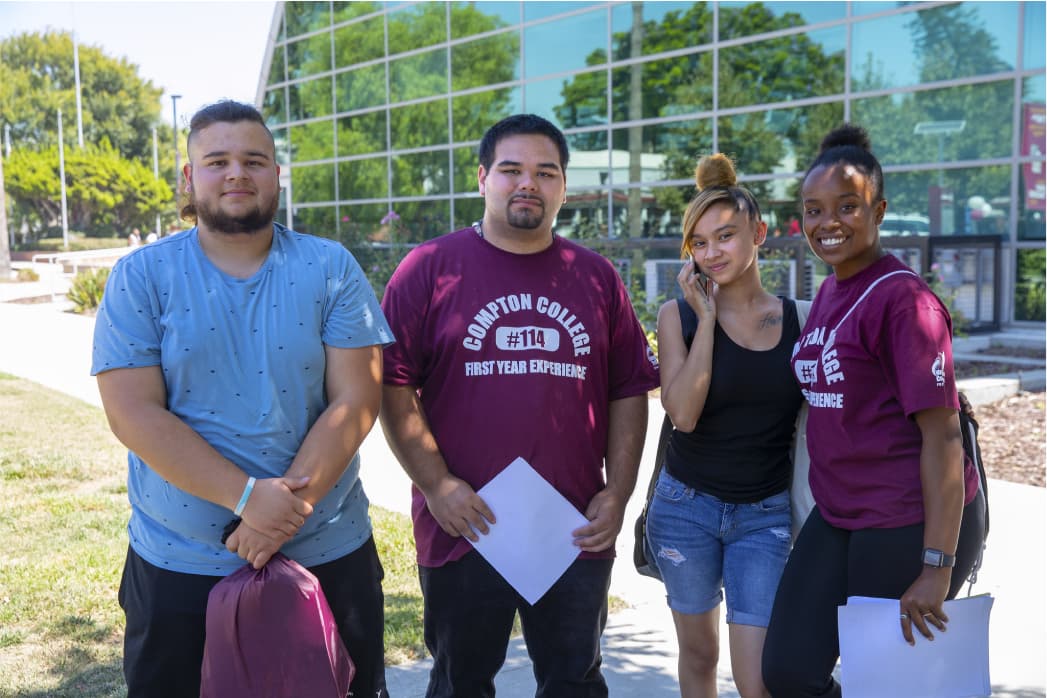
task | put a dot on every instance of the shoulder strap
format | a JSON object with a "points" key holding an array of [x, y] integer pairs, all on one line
{"points": [[867, 291], [688, 321]]}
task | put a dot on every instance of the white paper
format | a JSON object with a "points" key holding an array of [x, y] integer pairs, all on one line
{"points": [[875, 660], [531, 544]]}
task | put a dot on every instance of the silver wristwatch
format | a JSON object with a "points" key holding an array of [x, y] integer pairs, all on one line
{"points": [[937, 558]]}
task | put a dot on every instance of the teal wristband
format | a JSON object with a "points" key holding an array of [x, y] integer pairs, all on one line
{"points": [[243, 498]]}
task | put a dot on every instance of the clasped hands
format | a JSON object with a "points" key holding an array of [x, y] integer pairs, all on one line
{"points": [[272, 516]]}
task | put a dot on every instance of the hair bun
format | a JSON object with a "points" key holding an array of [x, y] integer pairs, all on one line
{"points": [[715, 171], [847, 135]]}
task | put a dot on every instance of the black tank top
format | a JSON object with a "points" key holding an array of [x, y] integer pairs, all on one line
{"points": [[740, 449]]}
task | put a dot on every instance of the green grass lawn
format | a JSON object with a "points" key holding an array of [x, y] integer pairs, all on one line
{"points": [[63, 512]]}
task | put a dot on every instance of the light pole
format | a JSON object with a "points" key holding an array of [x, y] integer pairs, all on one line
{"points": [[174, 123], [156, 173]]}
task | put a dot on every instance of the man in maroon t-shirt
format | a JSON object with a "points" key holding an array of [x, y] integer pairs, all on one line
{"points": [[513, 342]]}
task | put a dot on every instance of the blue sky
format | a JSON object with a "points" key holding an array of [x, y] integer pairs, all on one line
{"points": [[204, 51]]}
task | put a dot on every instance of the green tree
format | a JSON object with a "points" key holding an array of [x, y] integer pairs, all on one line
{"points": [[105, 193], [37, 79]]}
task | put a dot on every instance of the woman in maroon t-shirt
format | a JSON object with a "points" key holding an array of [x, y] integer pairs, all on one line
{"points": [[899, 514]]}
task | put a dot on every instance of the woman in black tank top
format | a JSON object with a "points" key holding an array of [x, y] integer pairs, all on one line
{"points": [[719, 519]]}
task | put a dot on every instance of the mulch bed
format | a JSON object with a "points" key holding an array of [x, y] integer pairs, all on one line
{"points": [[1011, 433]]}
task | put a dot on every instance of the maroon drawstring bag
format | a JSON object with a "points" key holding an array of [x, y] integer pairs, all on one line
{"points": [[271, 633]]}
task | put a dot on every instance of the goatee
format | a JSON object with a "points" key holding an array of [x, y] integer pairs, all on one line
{"points": [[527, 219]]}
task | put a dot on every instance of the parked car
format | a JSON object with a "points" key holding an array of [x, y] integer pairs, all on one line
{"points": [[905, 224]]}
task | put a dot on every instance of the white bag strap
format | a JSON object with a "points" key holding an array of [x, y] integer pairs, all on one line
{"points": [[867, 291]]}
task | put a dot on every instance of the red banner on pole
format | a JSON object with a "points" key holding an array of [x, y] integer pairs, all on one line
{"points": [[1033, 146]]}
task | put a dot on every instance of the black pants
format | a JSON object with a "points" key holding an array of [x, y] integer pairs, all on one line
{"points": [[166, 616], [827, 565], [469, 610]]}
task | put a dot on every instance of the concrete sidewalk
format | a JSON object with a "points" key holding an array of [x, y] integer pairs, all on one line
{"points": [[42, 343]]}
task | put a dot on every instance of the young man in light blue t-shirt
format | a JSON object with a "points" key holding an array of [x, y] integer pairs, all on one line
{"points": [[240, 363]]}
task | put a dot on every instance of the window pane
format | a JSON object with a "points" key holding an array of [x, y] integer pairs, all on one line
{"points": [[568, 44], [467, 211], [309, 99], [318, 220], [275, 107], [359, 42], [669, 87], [466, 164], [345, 11], [276, 68], [363, 179], [584, 216], [361, 88], [538, 9], [776, 141], [475, 113], [958, 123], [359, 225], [475, 18], [310, 183], [424, 220], [970, 201], [283, 152], [588, 164], [362, 133], [941, 43], [661, 26], [487, 61], [738, 19], [779, 70], [418, 76], [309, 56], [580, 100], [1033, 54], [419, 125], [417, 26], [313, 141], [1029, 296], [304, 17], [421, 174], [665, 151]]}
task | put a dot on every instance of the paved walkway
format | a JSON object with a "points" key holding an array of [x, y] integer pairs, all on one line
{"points": [[44, 344]]}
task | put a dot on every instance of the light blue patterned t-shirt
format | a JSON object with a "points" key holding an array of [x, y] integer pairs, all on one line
{"points": [[243, 361]]}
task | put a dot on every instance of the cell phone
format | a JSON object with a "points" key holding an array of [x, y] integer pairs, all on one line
{"points": [[703, 280]]}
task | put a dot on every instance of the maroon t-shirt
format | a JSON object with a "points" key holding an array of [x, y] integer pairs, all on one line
{"points": [[514, 356], [869, 359]]}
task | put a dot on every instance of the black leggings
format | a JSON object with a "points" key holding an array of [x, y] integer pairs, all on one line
{"points": [[827, 565]]}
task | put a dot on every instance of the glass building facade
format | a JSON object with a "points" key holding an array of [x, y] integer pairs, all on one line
{"points": [[378, 108]]}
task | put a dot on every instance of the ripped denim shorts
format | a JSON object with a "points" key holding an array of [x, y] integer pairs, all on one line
{"points": [[704, 546]]}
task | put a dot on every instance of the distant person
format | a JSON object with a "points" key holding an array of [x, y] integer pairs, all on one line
{"points": [[240, 362], [135, 238], [515, 343], [794, 227], [720, 516], [899, 513], [151, 237]]}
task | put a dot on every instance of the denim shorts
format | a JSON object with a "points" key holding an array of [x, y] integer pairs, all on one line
{"points": [[704, 546]]}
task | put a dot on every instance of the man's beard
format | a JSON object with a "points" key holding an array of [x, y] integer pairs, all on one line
{"points": [[527, 219], [252, 221]]}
